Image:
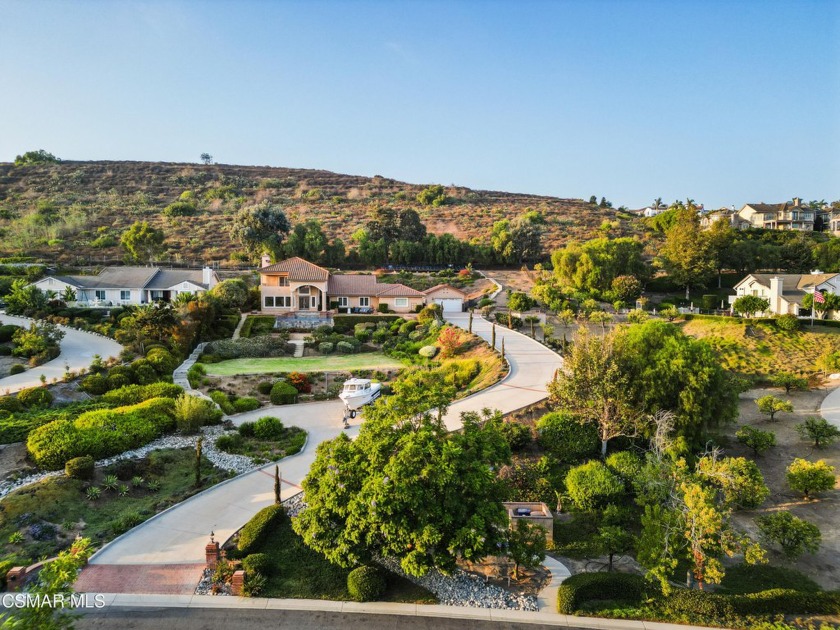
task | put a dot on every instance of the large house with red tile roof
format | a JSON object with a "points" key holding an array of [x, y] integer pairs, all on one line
{"points": [[296, 285]]}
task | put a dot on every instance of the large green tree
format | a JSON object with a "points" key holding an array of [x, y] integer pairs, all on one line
{"points": [[142, 242], [595, 264], [261, 228], [407, 488], [686, 254]]}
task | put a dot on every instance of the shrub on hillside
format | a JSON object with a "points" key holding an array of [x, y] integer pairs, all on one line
{"points": [[133, 394], [517, 435], [163, 361], [246, 403], [257, 530], [788, 323], [115, 381], [35, 397], [17, 368], [264, 387], [80, 468], [428, 352], [365, 584], [283, 393], [192, 413], [624, 464], [692, 604], [566, 438], [326, 347], [10, 404], [780, 601], [223, 400], [345, 347], [257, 563], [100, 433], [300, 381], [269, 428], [95, 384], [585, 587], [592, 484]]}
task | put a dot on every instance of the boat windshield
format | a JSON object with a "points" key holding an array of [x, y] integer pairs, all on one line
{"points": [[350, 388]]}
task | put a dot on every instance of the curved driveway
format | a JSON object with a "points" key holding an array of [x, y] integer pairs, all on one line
{"points": [[178, 535], [77, 350]]}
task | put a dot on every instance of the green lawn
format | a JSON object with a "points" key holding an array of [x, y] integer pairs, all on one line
{"points": [[333, 363]]}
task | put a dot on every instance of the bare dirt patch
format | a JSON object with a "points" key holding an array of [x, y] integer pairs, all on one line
{"points": [[12, 459], [495, 570], [824, 511]]}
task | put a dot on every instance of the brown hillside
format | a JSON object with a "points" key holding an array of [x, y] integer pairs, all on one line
{"points": [[74, 212]]}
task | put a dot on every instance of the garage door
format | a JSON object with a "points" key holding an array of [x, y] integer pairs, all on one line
{"points": [[450, 305]]}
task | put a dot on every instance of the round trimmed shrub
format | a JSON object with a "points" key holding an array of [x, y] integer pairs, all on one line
{"points": [[699, 604], [326, 347], [257, 563], [264, 387], [269, 428], [95, 384], [116, 381], [162, 360], [428, 352], [365, 583], [35, 397], [787, 323], [144, 373], [283, 393], [517, 435], [592, 484], [257, 530], [246, 429], [229, 443], [345, 347], [10, 404], [17, 368], [80, 467], [246, 403], [566, 438]]}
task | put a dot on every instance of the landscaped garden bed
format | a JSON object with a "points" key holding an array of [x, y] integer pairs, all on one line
{"points": [[264, 440]]}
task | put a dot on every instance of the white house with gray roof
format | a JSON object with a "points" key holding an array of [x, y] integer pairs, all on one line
{"points": [[785, 291], [124, 286]]}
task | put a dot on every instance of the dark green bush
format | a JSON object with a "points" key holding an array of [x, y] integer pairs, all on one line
{"points": [[585, 587], [283, 393], [246, 429], [95, 384], [269, 428], [264, 387], [7, 331], [780, 601], [133, 394], [17, 368], [344, 323], [365, 583], [229, 443], [246, 403], [257, 530], [693, 603], [566, 438], [115, 381], [162, 360], [11, 404], [517, 435], [223, 400], [80, 467], [753, 578], [35, 397], [259, 563]]}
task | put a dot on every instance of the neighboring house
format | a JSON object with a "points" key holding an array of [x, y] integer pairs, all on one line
{"points": [[123, 286], [779, 216], [652, 211], [785, 291], [295, 285], [451, 300]]}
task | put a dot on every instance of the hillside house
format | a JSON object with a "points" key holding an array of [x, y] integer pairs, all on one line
{"points": [[785, 291], [778, 216], [296, 285], [130, 286]]}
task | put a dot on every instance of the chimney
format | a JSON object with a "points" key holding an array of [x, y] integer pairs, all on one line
{"points": [[265, 261], [797, 202], [207, 277], [776, 288]]}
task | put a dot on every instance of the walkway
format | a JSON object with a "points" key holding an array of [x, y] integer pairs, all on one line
{"points": [[178, 535], [77, 350]]}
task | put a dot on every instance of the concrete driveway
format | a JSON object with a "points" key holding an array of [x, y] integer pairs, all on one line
{"points": [[178, 535], [77, 350]]}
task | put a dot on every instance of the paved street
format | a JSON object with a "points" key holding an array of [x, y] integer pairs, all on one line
{"points": [[77, 350]]}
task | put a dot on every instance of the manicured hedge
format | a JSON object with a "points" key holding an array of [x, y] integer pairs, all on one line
{"points": [[101, 433], [693, 603], [16, 427], [258, 528], [345, 323], [246, 403], [365, 583], [133, 394], [257, 563], [254, 347], [585, 587], [283, 393], [781, 601]]}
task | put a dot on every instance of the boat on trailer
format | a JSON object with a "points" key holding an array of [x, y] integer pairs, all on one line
{"points": [[357, 393]]}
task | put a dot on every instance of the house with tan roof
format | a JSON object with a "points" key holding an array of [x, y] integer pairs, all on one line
{"points": [[123, 286], [785, 291], [296, 285], [778, 216]]}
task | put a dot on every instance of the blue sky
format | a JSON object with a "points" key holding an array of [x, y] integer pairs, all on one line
{"points": [[725, 102]]}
